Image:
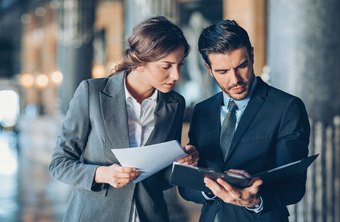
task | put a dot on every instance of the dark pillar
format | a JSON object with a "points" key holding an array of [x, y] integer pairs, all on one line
{"points": [[303, 55], [75, 52], [304, 52]]}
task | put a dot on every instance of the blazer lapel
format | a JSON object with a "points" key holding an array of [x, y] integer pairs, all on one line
{"points": [[113, 106], [164, 117], [249, 114]]}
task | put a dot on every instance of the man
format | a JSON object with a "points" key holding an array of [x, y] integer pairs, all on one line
{"points": [[269, 128]]}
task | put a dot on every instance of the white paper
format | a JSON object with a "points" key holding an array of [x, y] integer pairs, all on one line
{"points": [[149, 159]]}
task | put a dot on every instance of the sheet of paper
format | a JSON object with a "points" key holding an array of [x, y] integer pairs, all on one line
{"points": [[149, 159]]}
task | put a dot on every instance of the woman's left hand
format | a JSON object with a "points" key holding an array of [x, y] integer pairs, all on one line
{"points": [[192, 157]]}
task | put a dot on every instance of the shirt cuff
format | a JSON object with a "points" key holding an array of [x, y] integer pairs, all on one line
{"points": [[208, 196], [258, 208]]}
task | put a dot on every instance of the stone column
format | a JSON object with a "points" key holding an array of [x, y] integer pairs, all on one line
{"points": [[138, 10], [75, 51], [251, 16], [303, 56], [304, 51]]}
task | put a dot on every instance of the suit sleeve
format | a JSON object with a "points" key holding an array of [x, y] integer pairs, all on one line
{"points": [[291, 145], [66, 165], [189, 194]]}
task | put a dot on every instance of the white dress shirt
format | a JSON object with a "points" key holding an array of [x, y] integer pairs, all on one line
{"points": [[141, 122]]}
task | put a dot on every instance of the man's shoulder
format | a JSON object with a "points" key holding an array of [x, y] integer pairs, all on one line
{"points": [[217, 98], [281, 94], [271, 91]]}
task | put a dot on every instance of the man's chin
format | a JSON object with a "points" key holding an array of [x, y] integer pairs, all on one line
{"points": [[240, 96]]}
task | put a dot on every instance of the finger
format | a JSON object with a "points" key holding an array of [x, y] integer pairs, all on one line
{"points": [[258, 182], [195, 155], [190, 149], [129, 169], [184, 159], [225, 185], [212, 185], [255, 187], [240, 172], [126, 175]]}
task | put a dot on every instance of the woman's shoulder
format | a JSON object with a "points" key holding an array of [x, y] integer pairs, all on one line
{"points": [[101, 83], [174, 96]]}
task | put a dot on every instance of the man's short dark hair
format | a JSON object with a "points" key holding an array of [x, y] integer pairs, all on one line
{"points": [[223, 37]]}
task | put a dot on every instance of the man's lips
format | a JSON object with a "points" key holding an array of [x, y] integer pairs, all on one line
{"points": [[238, 88]]}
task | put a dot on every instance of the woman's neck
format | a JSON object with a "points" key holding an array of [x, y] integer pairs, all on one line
{"points": [[137, 87]]}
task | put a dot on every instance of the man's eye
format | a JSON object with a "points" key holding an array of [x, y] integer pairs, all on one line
{"points": [[243, 65], [222, 72]]}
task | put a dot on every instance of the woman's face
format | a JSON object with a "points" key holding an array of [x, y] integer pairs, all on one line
{"points": [[163, 73]]}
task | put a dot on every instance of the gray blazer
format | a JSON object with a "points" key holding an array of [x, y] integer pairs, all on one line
{"points": [[95, 123]]}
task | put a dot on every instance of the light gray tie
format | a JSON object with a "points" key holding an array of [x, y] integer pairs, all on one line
{"points": [[228, 128]]}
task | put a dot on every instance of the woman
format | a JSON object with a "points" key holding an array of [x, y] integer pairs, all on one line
{"points": [[133, 107]]}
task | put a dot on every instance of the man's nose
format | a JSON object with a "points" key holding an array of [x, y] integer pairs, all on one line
{"points": [[235, 77]]}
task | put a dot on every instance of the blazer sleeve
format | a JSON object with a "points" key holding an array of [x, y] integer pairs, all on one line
{"points": [[176, 134], [291, 145], [66, 165]]}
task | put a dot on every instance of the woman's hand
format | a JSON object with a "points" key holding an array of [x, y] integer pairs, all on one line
{"points": [[116, 175], [192, 157]]}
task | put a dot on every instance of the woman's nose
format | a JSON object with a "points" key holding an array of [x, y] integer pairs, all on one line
{"points": [[175, 74]]}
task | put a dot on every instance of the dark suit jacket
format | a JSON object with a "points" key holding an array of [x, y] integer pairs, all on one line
{"points": [[273, 130], [95, 123]]}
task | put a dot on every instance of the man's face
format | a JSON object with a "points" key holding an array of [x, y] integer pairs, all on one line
{"points": [[233, 72]]}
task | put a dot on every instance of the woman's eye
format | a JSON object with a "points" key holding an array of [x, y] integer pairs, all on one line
{"points": [[166, 67]]}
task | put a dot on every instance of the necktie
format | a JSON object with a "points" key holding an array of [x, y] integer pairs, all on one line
{"points": [[228, 128]]}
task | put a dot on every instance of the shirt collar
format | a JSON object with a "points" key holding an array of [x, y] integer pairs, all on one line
{"points": [[128, 95], [240, 103]]}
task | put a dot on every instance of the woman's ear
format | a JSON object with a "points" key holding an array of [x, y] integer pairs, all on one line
{"points": [[140, 68]]}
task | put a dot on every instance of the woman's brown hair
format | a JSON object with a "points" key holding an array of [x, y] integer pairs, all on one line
{"points": [[150, 41]]}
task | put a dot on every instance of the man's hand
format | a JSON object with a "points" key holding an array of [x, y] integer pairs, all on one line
{"points": [[115, 175], [246, 197], [192, 157]]}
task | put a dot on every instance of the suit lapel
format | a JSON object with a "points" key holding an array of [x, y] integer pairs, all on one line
{"points": [[216, 128], [164, 118], [113, 107], [249, 114]]}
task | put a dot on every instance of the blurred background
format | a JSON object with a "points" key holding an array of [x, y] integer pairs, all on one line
{"points": [[48, 46]]}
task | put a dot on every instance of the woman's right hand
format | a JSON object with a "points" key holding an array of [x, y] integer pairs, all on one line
{"points": [[116, 175]]}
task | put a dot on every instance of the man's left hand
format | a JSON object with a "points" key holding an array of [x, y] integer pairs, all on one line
{"points": [[246, 197]]}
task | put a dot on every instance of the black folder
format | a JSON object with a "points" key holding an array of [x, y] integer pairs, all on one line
{"points": [[192, 177]]}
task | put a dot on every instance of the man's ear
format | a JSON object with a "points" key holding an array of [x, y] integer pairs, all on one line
{"points": [[209, 69]]}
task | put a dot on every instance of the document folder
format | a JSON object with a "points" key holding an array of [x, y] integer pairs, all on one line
{"points": [[192, 177]]}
